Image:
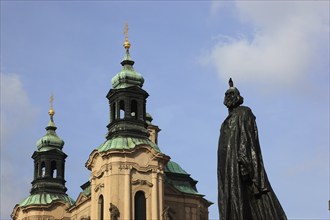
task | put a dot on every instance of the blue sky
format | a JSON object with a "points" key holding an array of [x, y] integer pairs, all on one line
{"points": [[277, 53]]}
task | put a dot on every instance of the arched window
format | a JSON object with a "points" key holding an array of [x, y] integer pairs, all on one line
{"points": [[140, 211], [134, 109], [121, 109], [53, 169], [100, 208], [42, 169]]}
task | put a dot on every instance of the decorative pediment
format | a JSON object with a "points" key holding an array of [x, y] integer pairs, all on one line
{"points": [[81, 198]]}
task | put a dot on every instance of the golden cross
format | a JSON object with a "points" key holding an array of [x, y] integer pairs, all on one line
{"points": [[127, 44], [126, 32], [51, 99]]}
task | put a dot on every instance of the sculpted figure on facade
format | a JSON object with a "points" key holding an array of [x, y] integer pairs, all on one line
{"points": [[114, 212], [166, 214], [244, 192]]}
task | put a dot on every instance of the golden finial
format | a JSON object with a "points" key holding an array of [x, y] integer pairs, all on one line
{"points": [[51, 111], [127, 44]]}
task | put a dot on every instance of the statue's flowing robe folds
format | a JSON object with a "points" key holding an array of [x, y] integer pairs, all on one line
{"points": [[244, 190]]}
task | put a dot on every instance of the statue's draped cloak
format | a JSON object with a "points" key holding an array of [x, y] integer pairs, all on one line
{"points": [[244, 190]]}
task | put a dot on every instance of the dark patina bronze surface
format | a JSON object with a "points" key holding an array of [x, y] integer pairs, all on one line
{"points": [[244, 192]]}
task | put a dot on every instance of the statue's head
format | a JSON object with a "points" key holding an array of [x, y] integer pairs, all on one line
{"points": [[232, 96]]}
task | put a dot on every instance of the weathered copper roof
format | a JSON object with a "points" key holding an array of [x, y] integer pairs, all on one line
{"points": [[127, 77], [173, 167], [122, 143], [50, 140], [184, 187], [180, 179], [45, 199], [87, 191]]}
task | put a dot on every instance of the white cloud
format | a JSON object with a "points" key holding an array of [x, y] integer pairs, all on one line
{"points": [[16, 109], [285, 43], [17, 117]]}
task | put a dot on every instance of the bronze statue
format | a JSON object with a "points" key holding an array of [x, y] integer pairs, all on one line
{"points": [[244, 192]]}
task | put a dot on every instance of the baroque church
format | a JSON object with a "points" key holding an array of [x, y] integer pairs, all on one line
{"points": [[130, 177]]}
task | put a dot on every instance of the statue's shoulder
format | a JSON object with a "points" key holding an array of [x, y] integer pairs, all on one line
{"points": [[244, 111]]}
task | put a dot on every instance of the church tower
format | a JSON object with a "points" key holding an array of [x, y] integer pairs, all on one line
{"points": [[130, 177], [48, 197], [127, 101], [127, 170]]}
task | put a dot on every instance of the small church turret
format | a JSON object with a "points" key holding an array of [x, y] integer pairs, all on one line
{"points": [[49, 161], [48, 196]]}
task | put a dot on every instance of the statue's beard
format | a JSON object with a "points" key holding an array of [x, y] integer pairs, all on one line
{"points": [[232, 102]]}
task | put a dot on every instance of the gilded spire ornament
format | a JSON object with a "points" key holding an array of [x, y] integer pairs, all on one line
{"points": [[127, 44], [51, 111]]}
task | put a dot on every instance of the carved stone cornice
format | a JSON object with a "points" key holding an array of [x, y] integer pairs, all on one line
{"points": [[122, 152], [142, 182], [125, 166]]}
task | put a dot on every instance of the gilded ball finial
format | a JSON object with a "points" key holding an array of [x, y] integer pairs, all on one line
{"points": [[127, 44], [51, 112]]}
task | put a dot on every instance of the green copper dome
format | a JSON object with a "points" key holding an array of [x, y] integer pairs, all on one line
{"points": [[180, 179], [173, 167], [50, 140], [125, 143], [45, 199], [127, 77]]}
